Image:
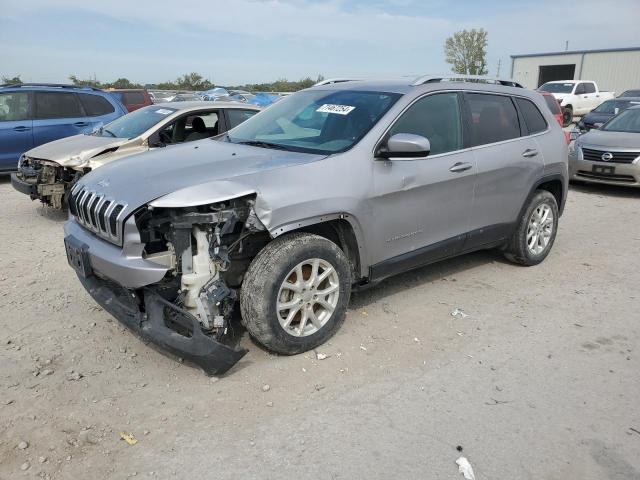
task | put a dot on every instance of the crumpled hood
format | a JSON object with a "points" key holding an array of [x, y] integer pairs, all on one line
{"points": [[612, 140], [84, 146], [141, 178]]}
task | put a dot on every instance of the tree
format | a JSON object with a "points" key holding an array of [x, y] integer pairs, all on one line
{"points": [[11, 81], [91, 83], [466, 51]]}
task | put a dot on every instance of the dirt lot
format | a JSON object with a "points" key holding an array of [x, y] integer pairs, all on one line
{"points": [[540, 381]]}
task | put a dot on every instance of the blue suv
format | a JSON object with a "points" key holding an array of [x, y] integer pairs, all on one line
{"points": [[33, 114]]}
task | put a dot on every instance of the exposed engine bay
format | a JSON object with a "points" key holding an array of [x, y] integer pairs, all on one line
{"points": [[50, 180], [207, 249]]}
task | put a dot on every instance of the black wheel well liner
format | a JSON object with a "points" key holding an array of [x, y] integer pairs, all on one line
{"points": [[340, 232], [553, 184]]}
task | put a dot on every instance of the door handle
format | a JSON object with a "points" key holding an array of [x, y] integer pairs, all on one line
{"points": [[21, 128], [530, 152], [460, 167], [80, 124]]}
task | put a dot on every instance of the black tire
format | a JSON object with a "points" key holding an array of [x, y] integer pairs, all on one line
{"points": [[261, 286], [517, 249], [567, 116]]}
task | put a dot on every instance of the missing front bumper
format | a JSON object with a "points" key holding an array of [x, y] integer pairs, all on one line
{"points": [[191, 343]]}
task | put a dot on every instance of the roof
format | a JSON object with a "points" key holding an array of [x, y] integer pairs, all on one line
{"points": [[578, 52], [195, 105]]}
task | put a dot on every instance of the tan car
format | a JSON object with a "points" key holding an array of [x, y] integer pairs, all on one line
{"points": [[49, 171]]}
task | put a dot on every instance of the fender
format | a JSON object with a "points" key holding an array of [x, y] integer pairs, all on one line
{"points": [[545, 179]]}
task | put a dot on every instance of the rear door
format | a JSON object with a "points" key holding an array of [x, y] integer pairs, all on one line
{"points": [[507, 164], [592, 96], [16, 128], [58, 115], [422, 206]]}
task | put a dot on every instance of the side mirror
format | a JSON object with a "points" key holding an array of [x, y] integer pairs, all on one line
{"points": [[155, 142], [597, 125], [404, 146]]}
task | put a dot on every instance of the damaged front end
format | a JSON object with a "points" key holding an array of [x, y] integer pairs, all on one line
{"points": [[206, 250], [44, 180]]}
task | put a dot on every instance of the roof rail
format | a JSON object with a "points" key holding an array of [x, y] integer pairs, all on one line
{"points": [[56, 85], [329, 81], [507, 82]]}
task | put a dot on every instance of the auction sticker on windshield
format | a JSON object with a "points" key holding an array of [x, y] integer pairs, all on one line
{"points": [[339, 109], [164, 111]]}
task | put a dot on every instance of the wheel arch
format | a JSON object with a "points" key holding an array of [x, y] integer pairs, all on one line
{"points": [[554, 184], [340, 228]]}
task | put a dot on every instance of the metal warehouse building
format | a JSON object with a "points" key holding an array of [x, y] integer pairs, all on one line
{"points": [[615, 69]]}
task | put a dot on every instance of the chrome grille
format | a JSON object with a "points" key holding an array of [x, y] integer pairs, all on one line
{"points": [[97, 213], [593, 155]]}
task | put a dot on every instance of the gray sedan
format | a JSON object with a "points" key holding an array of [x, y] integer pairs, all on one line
{"points": [[611, 154]]}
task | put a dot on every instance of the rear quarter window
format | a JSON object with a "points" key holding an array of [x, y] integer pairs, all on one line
{"points": [[95, 105], [493, 118], [14, 106], [533, 119]]}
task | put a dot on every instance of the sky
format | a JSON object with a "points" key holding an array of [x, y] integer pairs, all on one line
{"points": [[251, 41]]}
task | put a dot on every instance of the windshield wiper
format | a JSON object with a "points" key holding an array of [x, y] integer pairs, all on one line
{"points": [[259, 143]]}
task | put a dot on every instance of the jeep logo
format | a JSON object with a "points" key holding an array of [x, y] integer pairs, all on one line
{"points": [[606, 156]]}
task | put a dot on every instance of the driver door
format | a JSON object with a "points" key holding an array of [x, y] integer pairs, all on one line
{"points": [[422, 206]]}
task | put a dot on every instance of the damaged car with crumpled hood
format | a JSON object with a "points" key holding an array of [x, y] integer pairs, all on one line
{"points": [[333, 187]]}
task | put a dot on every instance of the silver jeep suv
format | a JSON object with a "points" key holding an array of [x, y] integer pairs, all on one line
{"points": [[337, 186]]}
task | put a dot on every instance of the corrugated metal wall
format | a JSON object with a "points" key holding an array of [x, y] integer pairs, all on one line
{"points": [[614, 71]]}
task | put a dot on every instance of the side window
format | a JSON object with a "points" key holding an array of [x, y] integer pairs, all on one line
{"points": [[493, 118], [57, 105], [132, 98], [237, 116], [435, 117], [580, 90], [14, 106], [95, 105], [589, 88], [532, 117]]}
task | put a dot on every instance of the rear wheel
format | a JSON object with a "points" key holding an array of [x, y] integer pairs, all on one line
{"points": [[295, 293], [536, 231]]}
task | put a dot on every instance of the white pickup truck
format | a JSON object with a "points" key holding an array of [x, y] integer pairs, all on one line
{"points": [[576, 97]]}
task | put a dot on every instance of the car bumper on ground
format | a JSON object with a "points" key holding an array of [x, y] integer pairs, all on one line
{"points": [[186, 340], [604, 172], [23, 186]]}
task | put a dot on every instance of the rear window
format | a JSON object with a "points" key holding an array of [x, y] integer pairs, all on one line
{"points": [[557, 87], [493, 118], [132, 98], [237, 116], [14, 106], [95, 105], [57, 105], [552, 103], [532, 117]]}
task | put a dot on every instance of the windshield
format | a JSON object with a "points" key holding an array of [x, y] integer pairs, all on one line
{"points": [[631, 93], [627, 121], [614, 107], [557, 87], [315, 121], [135, 123]]}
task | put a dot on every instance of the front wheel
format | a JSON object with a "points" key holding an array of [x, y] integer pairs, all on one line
{"points": [[532, 241], [295, 293]]}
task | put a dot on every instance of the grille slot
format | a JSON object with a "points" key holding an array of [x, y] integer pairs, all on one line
{"points": [[594, 155], [97, 213]]}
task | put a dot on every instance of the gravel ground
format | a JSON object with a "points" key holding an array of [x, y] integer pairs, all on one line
{"points": [[539, 381]]}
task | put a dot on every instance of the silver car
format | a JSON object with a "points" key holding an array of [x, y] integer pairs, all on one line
{"points": [[336, 186], [610, 154], [48, 172]]}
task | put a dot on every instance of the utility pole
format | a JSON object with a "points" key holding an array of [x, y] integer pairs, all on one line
{"points": [[566, 45], [498, 72]]}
